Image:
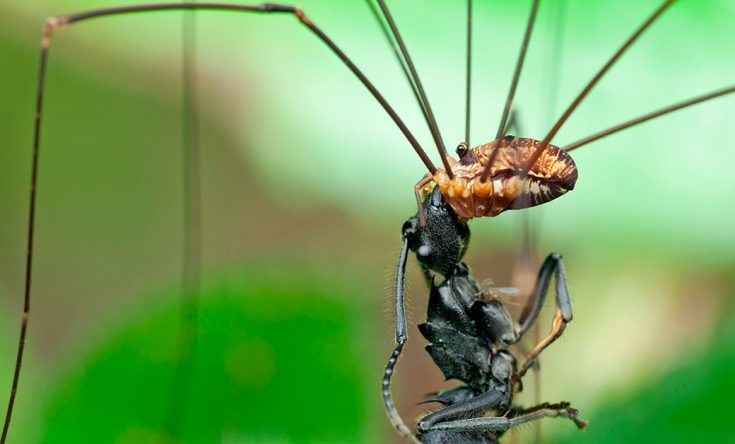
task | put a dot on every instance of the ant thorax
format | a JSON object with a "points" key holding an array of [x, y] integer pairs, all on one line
{"points": [[510, 183]]}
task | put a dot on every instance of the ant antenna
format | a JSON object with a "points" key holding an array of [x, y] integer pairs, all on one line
{"points": [[390, 408]]}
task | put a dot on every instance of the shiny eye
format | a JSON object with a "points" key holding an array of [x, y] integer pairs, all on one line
{"points": [[462, 149]]}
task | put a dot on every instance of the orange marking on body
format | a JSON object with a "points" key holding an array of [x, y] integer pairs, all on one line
{"points": [[482, 189], [509, 185]]}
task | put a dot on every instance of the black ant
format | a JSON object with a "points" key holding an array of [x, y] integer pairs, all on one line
{"points": [[469, 333]]}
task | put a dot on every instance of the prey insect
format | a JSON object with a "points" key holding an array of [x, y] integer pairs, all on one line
{"points": [[56, 23], [470, 333]]}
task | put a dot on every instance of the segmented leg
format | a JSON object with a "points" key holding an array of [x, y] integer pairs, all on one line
{"points": [[553, 265], [499, 424], [417, 192], [525, 413], [470, 407]]}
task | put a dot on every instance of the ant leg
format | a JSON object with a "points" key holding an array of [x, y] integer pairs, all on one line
{"points": [[416, 191], [463, 409], [390, 408], [553, 264], [525, 413], [501, 423]]}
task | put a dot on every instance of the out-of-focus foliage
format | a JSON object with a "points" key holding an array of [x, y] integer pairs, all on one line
{"points": [[687, 404], [277, 360]]}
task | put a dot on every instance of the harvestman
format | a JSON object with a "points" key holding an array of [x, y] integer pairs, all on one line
{"points": [[469, 330], [510, 170]]}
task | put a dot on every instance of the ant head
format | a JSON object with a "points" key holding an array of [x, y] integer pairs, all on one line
{"points": [[440, 244]]}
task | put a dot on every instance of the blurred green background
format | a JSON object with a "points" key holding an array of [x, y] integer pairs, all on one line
{"points": [[306, 183]]}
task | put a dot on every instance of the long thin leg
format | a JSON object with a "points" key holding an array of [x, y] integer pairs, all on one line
{"points": [[558, 324], [553, 265], [549, 406], [649, 116], [399, 58], [29, 246], [525, 269], [186, 337], [502, 423], [59, 21], [561, 409], [51, 25], [431, 120], [557, 126], [417, 192], [400, 319], [512, 90], [517, 72], [468, 95]]}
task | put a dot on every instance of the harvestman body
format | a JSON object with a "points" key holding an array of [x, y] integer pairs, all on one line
{"points": [[470, 331], [553, 174]]}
